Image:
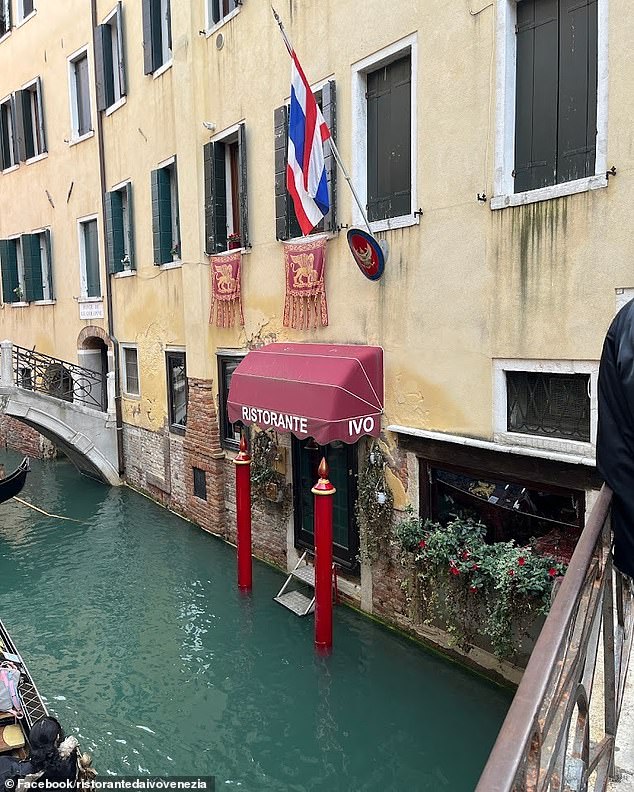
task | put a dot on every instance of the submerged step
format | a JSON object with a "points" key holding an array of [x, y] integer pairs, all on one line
{"points": [[297, 602]]}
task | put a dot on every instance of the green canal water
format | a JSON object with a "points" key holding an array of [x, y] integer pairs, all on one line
{"points": [[136, 636]]}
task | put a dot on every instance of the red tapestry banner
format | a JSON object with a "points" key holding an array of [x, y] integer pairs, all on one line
{"points": [[305, 304], [226, 298]]}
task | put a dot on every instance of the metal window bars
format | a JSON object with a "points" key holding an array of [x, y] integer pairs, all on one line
{"points": [[59, 378], [546, 742]]}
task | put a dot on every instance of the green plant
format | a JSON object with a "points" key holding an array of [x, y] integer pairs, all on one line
{"points": [[475, 587], [375, 505], [263, 473]]}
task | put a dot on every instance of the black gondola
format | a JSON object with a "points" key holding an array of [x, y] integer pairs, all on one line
{"points": [[12, 484]]}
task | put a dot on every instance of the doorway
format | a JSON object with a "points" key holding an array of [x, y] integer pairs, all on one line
{"points": [[342, 462]]}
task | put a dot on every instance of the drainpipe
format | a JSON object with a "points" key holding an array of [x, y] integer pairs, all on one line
{"points": [[113, 338]]}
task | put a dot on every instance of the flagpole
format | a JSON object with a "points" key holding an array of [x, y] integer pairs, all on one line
{"points": [[333, 146]]}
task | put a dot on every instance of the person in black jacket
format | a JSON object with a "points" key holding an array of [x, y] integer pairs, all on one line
{"points": [[615, 437], [52, 757]]}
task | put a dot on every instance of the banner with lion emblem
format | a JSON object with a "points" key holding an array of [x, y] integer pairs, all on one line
{"points": [[305, 304], [226, 298]]}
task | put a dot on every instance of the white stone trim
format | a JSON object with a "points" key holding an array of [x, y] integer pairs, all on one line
{"points": [[360, 69], [124, 379], [211, 26], [505, 79]]}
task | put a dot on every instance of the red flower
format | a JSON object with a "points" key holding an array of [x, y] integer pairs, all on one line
{"points": [[454, 570], [464, 555], [521, 561], [552, 572], [473, 589], [475, 566], [511, 572], [422, 544]]}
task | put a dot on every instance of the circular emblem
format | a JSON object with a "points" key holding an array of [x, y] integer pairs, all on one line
{"points": [[367, 253]]}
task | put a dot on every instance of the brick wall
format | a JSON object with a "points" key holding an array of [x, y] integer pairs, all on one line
{"points": [[154, 464], [18, 436]]}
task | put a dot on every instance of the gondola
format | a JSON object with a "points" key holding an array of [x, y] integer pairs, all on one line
{"points": [[33, 708], [12, 484]]}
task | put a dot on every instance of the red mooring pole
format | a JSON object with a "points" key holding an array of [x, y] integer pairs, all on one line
{"points": [[323, 559], [243, 516]]}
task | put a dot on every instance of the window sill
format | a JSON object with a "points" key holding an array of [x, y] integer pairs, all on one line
{"points": [[44, 302], [131, 396], [26, 18], [242, 250], [162, 69], [124, 274], [577, 448], [393, 222], [114, 107], [36, 158], [223, 21], [5, 36], [11, 168], [86, 136], [89, 299], [19, 304], [179, 430], [171, 265], [548, 193]]}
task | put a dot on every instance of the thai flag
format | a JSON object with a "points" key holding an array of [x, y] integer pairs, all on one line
{"points": [[305, 171]]}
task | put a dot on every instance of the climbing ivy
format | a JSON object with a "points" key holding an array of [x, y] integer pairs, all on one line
{"points": [[374, 507]]}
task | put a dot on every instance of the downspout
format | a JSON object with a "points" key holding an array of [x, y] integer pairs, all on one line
{"points": [[113, 338]]}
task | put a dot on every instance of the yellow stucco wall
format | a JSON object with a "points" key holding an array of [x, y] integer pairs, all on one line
{"points": [[463, 286]]}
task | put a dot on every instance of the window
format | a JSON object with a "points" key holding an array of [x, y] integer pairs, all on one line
{"points": [[384, 124], [29, 121], [177, 391], [7, 135], [119, 230], [286, 224], [110, 77], [552, 405], [157, 34], [219, 10], [556, 92], [200, 483], [165, 220], [229, 433], [27, 267], [226, 212], [5, 17], [81, 123], [130, 371], [89, 259]]}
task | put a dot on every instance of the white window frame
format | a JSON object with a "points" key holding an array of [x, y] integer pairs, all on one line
{"points": [[360, 71], [83, 278], [228, 135], [37, 119], [121, 187], [124, 376], [20, 261], [210, 26], [75, 137], [21, 18], [506, 63], [7, 12], [176, 235], [503, 436], [113, 20], [47, 298], [166, 26], [12, 142]]}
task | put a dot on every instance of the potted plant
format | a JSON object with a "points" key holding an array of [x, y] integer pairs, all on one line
{"points": [[234, 242]]}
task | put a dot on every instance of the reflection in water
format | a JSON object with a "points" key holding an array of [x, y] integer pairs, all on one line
{"points": [[137, 636]]}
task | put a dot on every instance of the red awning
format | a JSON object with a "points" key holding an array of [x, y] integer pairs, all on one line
{"points": [[326, 391]]}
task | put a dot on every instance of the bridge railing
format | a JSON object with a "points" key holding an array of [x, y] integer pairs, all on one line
{"points": [[545, 742], [58, 378]]}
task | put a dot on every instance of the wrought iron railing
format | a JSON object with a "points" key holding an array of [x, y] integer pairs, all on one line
{"points": [[59, 378], [546, 743]]}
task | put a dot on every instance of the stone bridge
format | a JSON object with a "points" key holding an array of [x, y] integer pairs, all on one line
{"points": [[83, 428]]}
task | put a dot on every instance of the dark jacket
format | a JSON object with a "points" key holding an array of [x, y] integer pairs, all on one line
{"points": [[615, 438], [10, 768]]}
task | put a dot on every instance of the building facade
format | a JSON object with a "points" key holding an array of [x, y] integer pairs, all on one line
{"points": [[491, 144]]}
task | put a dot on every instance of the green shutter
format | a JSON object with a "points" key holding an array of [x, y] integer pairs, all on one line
{"points": [[244, 185], [281, 195], [128, 192], [210, 226], [9, 265], [576, 143], [20, 131], [536, 94], [152, 52], [121, 65], [49, 260], [161, 216], [40, 114], [32, 259], [114, 232], [103, 67], [215, 198], [29, 143], [329, 112], [5, 156], [91, 250]]}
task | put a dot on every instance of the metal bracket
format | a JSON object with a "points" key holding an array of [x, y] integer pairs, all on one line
{"points": [[482, 197], [418, 213], [611, 172]]}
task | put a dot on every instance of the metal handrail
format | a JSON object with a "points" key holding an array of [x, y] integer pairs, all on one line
{"points": [[545, 741], [59, 378]]}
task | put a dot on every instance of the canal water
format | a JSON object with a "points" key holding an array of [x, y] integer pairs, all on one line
{"points": [[131, 624]]}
